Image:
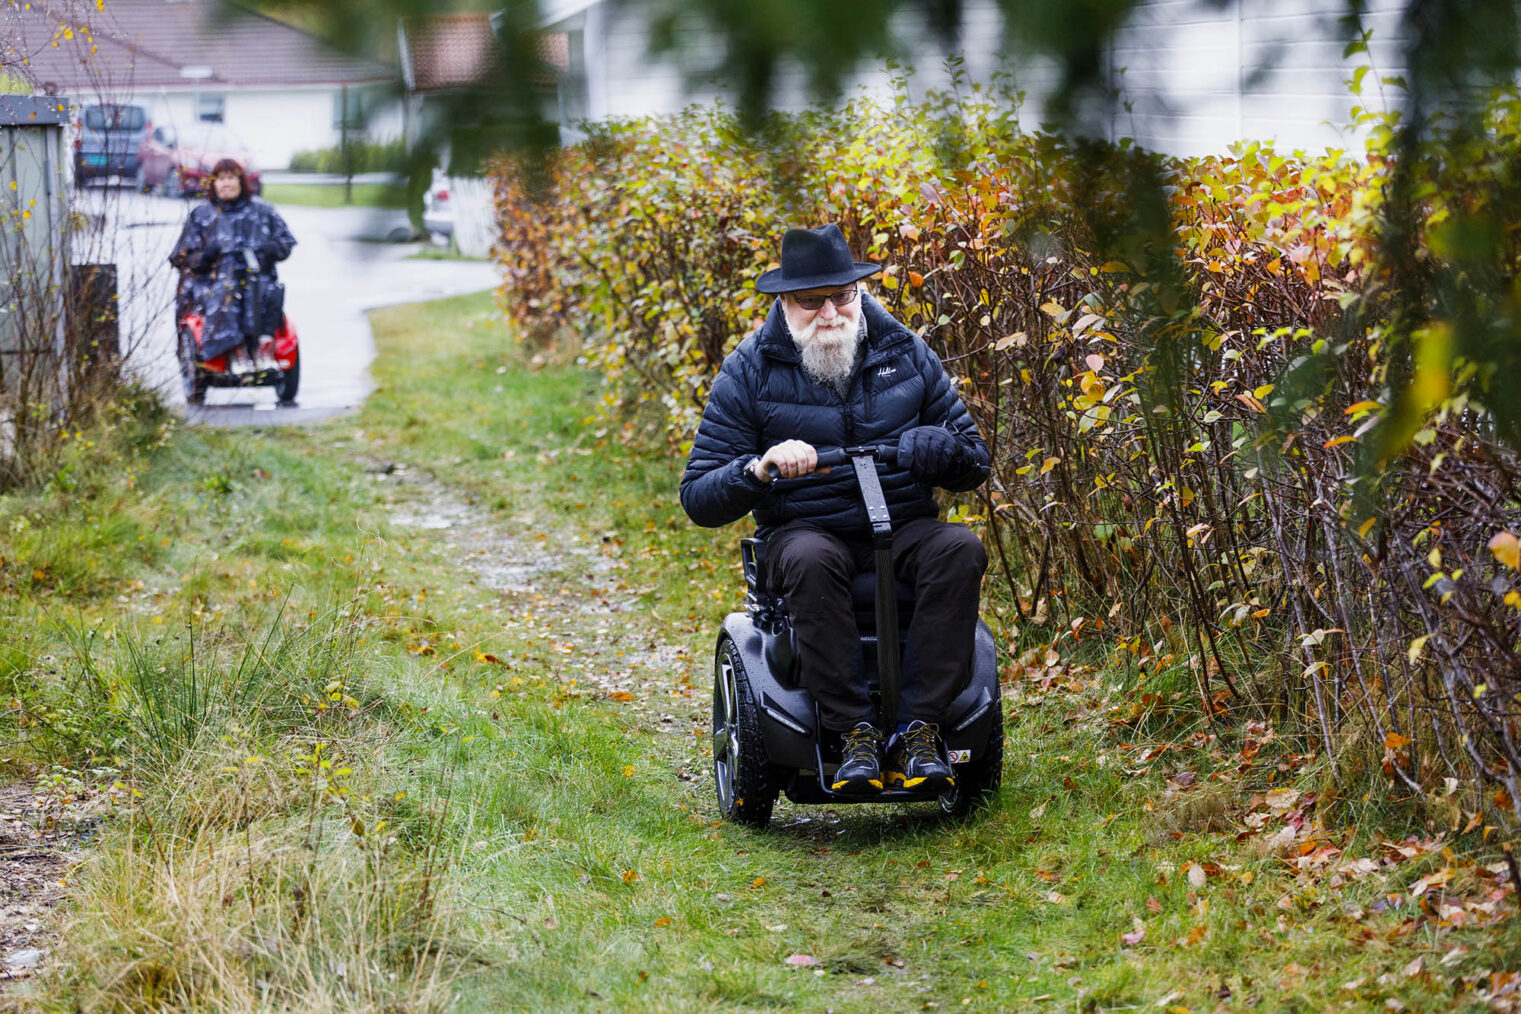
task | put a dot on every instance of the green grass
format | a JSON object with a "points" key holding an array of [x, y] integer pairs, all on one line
{"points": [[526, 820], [330, 195]]}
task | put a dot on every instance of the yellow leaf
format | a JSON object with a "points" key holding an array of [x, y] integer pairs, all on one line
{"points": [[1362, 406], [1366, 527], [1507, 549], [1048, 464], [1395, 741], [1345, 438], [1416, 645], [1513, 599], [758, 882]]}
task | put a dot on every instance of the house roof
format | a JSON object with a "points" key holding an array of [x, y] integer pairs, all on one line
{"points": [[444, 52], [129, 45]]}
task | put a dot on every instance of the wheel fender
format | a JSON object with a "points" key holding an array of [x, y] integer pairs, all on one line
{"points": [[787, 717], [978, 709]]}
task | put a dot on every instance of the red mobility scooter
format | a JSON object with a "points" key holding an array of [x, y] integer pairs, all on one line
{"points": [[198, 375]]}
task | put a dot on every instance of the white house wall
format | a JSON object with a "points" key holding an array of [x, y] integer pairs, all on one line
{"points": [[1197, 78], [632, 83], [1192, 77], [275, 123]]}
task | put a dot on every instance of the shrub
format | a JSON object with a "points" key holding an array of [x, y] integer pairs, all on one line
{"points": [[364, 157], [1192, 373]]}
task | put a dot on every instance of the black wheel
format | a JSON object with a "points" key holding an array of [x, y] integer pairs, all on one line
{"points": [[977, 782], [191, 378], [742, 773], [290, 382]]}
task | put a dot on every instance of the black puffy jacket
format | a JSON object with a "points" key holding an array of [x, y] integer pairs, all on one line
{"points": [[762, 397]]}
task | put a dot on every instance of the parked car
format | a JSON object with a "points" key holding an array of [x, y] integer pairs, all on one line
{"points": [[438, 216], [177, 164], [107, 141]]}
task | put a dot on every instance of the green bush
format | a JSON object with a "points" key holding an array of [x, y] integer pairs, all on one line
{"points": [[364, 157], [1223, 440]]}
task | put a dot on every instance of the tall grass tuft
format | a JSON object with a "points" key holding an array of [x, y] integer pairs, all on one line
{"points": [[254, 863]]}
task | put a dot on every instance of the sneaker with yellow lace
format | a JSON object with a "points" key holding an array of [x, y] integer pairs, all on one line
{"points": [[860, 772], [916, 760]]}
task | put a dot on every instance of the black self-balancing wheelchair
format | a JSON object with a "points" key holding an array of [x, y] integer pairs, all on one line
{"points": [[766, 733]]}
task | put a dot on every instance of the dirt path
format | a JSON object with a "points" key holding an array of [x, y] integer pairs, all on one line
{"points": [[568, 589], [40, 837]]}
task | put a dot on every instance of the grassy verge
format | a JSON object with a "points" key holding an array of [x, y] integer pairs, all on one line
{"points": [[411, 709], [330, 195]]}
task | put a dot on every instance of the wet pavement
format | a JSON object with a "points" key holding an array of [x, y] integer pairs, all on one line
{"points": [[341, 268]]}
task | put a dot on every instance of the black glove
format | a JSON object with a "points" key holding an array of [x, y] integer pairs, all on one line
{"points": [[929, 452]]}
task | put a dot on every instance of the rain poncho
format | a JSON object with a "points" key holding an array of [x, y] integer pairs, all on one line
{"points": [[213, 275]]}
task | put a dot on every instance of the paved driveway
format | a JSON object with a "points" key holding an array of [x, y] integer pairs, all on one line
{"points": [[339, 270]]}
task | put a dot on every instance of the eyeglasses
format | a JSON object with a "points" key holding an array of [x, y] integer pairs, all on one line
{"points": [[843, 298]]}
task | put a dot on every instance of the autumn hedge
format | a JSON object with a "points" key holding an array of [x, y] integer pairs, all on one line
{"points": [[1224, 447]]}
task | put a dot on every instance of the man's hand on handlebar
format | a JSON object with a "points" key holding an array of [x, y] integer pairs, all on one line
{"points": [[792, 459]]}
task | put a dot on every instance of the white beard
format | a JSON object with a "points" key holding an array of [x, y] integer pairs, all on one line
{"points": [[829, 353]]}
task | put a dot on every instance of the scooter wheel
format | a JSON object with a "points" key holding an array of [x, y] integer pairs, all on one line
{"points": [[742, 773], [977, 782], [290, 383], [191, 379]]}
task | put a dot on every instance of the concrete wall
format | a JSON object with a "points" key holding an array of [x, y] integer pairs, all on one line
{"points": [[278, 122]]}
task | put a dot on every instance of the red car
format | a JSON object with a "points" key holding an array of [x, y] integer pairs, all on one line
{"points": [[177, 165]]}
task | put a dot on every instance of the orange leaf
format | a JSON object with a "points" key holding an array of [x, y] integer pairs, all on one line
{"points": [[1507, 549], [1395, 741]]}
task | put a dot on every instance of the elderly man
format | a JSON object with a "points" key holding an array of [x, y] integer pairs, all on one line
{"points": [[831, 368]]}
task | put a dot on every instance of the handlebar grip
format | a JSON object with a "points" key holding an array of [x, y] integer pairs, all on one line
{"points": [[832, 457]]}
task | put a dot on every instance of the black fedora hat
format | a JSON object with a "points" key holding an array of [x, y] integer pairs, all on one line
{"points": [[814, 259]]}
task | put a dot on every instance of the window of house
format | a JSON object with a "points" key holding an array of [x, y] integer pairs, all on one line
{"points": [[211, 108], [572, 83], [348, 109]]}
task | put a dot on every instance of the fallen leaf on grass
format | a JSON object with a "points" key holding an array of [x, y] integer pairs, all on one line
{"points": [[1131, 939], [1038, 812], [802, 961], [1281, 799], [1153, 906]]}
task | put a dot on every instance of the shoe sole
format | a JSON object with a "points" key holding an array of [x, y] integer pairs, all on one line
{"points": [[938, 783]]}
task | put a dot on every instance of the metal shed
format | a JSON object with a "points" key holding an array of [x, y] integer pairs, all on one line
{"points": [[33, 258]]}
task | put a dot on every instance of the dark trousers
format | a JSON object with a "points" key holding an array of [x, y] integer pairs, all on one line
{"points": [[812, 569]]}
